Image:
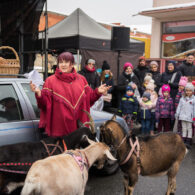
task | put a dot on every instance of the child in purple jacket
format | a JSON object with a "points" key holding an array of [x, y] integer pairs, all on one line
{"points": [[164, 110]]}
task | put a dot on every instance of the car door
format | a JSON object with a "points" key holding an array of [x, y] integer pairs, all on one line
{"points": [[15, 121], [31, 103]]}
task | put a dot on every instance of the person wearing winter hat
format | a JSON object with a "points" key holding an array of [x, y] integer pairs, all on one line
{"points": [[153, 96], [141, 70], [63, 98], [156, 76], [107, 78], [164, 110], [128, 106], [172, 77], [126, 78], [186, 113], [182, 83], [147, 79], [145, 114], [89, 72], [105, 66]]}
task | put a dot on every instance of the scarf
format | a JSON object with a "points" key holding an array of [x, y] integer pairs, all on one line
{"points": [[66, 77], [90, 70]]}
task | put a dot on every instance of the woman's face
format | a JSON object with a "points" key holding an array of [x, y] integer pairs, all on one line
{"points": [[65, 66], [90, 66], [154, 67], [128, 70], [170, 67], [107, 71]]}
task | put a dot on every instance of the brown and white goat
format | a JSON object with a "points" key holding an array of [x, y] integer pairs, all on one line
{"points": [[62, 174], [159, 155]]}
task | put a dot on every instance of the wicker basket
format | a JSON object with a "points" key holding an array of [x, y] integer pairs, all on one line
{"points": [[9, 66]]}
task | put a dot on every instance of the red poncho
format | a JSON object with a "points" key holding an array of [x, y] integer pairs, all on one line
{"points": [[63, 97]]}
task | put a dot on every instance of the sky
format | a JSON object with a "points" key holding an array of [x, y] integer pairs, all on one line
{"points": [[106, 11]]}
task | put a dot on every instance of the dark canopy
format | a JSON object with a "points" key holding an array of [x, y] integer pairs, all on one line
{"points": [[79, 31]]}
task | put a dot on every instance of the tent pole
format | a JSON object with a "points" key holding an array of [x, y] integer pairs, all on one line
{"points": [[46, 42], [118, 65], [78, 59]]}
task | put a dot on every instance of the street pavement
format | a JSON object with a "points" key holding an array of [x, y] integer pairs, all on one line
{"points": [[113, 185]]}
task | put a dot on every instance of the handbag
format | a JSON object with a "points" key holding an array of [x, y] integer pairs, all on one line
{"points": [[107, 97]]}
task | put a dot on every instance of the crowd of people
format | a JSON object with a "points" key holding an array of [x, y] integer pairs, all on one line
{"points": [[156, 100]]}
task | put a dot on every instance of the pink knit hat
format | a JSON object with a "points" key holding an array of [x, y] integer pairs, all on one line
{"points": [[127, 64], [183, 81], [166, 88]]}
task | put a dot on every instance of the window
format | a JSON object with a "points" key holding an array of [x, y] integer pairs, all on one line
{"points": [[31, 96], [10, 109], [179, 27], [178, 39]]}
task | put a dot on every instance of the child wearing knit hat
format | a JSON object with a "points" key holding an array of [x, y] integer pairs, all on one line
{"points": [[145, 115], [182, 83], [164, 110], [153, 96], [128, 105], [186, 113]]}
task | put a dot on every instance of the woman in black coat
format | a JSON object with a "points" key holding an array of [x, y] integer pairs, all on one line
{"points": [[107, 78], [126, 78], [171, 76]]}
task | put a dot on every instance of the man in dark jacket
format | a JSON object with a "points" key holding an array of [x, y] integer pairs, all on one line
{"points": [[141, 70], [89, 72], [187, 68], [172, 77]]}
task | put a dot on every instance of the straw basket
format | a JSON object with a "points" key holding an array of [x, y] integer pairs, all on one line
{"points": [[9, 66]]}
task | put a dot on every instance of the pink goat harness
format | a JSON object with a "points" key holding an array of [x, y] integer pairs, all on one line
{"points": [[135, 148]]}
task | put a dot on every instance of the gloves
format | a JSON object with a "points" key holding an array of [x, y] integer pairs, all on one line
{"points": [[134, 117]]}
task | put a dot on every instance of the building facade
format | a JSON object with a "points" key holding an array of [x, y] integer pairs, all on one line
{"points": [[173, 28]]}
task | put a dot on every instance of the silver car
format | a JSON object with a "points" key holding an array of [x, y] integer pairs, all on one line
{"points": [[19, 115]]}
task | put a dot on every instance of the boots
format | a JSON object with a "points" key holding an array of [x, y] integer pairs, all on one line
{"points": [[184, 139], [188, 143]]}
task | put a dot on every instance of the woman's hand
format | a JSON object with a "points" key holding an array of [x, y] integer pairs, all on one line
{"points": [[35, 89], [103, 89]]}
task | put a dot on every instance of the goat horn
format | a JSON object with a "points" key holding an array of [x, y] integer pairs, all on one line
{"points": [[91, 123]]}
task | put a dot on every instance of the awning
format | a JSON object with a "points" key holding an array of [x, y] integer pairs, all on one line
{"points": [[186, 10]]}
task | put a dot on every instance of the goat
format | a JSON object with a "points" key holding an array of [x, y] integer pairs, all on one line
{"points": [[29, 152], [159, 155], [63, 174]]}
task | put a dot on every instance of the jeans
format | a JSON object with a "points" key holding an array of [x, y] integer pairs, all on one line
{"points": [[145, 126]]}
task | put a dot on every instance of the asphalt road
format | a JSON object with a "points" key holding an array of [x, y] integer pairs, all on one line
{"points": [[113, 185]]}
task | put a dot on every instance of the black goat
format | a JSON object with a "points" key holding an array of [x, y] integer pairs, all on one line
{"points": [[16, 159]]}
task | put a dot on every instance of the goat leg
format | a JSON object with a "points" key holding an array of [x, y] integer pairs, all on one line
{"points": [[172, 179]]}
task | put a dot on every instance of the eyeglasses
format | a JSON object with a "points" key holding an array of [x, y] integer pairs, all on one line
{"points": [[91, 64]]}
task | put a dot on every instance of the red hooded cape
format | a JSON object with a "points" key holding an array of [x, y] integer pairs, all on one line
{"points": [[63, 97]]}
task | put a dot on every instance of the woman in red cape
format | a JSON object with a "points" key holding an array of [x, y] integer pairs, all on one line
{"points": [[63, 97]]}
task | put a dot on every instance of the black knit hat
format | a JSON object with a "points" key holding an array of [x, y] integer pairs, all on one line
{"points": [[105, 66]]}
